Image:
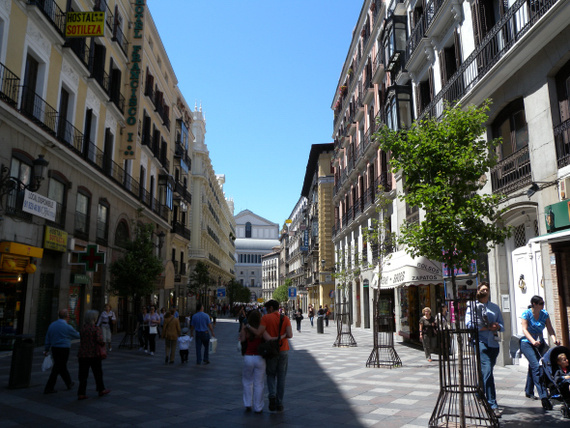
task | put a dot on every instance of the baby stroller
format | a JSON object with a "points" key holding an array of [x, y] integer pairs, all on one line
{"points": [[549, 367]]}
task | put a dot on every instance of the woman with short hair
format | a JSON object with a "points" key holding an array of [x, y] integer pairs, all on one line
{"points": [[427, 332], [91, 339]]}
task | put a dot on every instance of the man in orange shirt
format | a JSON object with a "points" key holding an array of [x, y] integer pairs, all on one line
{"points": [[276, 368]]}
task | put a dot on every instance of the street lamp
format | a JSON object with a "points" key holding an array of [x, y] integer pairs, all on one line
{"points": [[9, 183], [161, 235]]}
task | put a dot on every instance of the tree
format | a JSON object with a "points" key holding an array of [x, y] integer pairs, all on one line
{"points": [[443, 164], [281, 293], [200, 282], [135, 274]]}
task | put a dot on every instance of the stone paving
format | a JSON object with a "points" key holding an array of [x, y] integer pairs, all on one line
{"points": [[326, 386]]}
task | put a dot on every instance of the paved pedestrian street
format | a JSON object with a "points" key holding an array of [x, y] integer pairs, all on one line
{"points": [[326, 387]]}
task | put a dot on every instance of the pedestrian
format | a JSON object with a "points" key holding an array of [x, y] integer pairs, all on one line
{"points": [[88, 357], [151, 321], [299, 318], [486, 317], [533, 346], [170, 333], [311, 314], [214, 314], [184, 345], [106, 321], [327, 315], [141, 329], [443, 331], [427, 332], [58, 341], [200, 325], [253, 364], [276, 368]]}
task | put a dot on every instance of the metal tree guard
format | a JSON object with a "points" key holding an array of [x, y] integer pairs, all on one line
{"points": [[461, 401], [383, 353], [343, 330]]}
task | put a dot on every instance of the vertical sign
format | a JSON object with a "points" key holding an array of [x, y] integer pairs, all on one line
{"points": [[129, 140]]}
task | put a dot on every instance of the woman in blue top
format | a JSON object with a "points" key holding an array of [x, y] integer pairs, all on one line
{"points": [[533, 322]]}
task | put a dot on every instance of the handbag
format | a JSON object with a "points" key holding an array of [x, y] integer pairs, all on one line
{"points": [[152, 329], [47, 363], [270, 348], [101, 351]]}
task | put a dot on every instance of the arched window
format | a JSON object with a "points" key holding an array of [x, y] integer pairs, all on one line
{"points": [[248, 230], [122, 234]]}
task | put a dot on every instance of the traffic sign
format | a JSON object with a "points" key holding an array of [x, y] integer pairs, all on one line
{"points": [[292, 292]]}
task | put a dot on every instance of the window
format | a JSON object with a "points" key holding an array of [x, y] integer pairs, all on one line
{"points": [[57, 192], [248, 230], [102, 221], [20, 168], [511, 126], [122, 234], [82, 214]]}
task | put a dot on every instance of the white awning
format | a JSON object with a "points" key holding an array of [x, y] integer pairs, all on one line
{"points": [[561, 235], [403, 269]]}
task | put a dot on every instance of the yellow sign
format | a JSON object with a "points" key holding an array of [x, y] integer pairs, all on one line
{"points": [[85, 24], [288, 221], [55, 239], [21, 249]]}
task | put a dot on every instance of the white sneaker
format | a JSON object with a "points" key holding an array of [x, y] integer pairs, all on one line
{"points": [[152, 353], [146, 351], [140, 349]]}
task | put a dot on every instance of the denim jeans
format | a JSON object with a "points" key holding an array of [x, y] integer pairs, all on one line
{"points": [[276, 370], [533, 375], [488, 356], [202, 338]]}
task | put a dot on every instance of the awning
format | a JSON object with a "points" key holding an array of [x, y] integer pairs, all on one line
{"points": [[561, 235], [403, 269]]}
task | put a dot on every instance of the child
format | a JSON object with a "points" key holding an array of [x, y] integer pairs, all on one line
{"points": [[183, 345], [562, 375]]}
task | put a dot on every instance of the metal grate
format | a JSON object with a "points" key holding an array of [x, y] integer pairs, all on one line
{"points": [[519, 236]]}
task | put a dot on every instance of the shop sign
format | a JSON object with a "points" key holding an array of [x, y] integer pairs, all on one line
{"points": [[39, 205], [55, 239], [81, 278], [557, 216], [128, 149], [85, 24], [91, 258]]}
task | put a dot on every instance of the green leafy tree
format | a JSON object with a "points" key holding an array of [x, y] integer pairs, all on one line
{"points": [[135, 273], [281, 293], [443, 162], [199, 282]]}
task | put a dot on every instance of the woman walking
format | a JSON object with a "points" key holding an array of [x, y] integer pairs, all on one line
{"points": [[151, 321], [91, 338], [106, 321], [533, 346], [427, 332], [253, 373], [299, 318], [170, 333]]}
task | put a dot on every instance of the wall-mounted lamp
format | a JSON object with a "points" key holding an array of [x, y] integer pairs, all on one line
{"points": [[9, 183], [534, 187]]}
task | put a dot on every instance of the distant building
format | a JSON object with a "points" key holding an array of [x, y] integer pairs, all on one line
{"points": [[270, 273], [256, 237]]}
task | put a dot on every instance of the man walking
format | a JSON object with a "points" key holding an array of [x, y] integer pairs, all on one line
{"points": [[58, 339], [200, 325], [276, 368], [487, 318]]}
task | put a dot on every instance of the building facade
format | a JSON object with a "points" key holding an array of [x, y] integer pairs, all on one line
{"points": [[256, 237], [106, 115], [270, 266], [318, 190]]}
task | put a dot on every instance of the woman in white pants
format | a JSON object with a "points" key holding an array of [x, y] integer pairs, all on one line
{"points": [[106, 321], [253, 374]]}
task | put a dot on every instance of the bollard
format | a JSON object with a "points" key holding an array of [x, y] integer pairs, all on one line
{"points": [[320, 326]]}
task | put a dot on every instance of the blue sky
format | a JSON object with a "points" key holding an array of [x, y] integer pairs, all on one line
{"points": [[265, 73]]}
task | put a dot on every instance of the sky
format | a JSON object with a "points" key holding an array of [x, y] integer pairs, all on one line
{"points": [[265, 73]]}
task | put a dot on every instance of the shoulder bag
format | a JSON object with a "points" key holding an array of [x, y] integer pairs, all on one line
{"points": [[270, 348]]}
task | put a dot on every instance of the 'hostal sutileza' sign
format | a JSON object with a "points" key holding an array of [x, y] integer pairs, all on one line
{"points": [[85, 24]]}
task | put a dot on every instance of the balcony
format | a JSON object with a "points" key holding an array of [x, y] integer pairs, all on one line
{"points": [[518, 21], [512, 173], [181, 230], [562, 138], [52, 12], [9, 84]]}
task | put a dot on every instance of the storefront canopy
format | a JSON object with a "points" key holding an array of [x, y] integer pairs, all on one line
{"points": [[402, 269]]}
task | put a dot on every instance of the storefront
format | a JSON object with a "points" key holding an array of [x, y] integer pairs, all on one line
{"points": [[418, 282], [17, 262]]}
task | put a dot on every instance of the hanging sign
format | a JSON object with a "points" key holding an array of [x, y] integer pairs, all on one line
{"points": [[85, 24]]}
